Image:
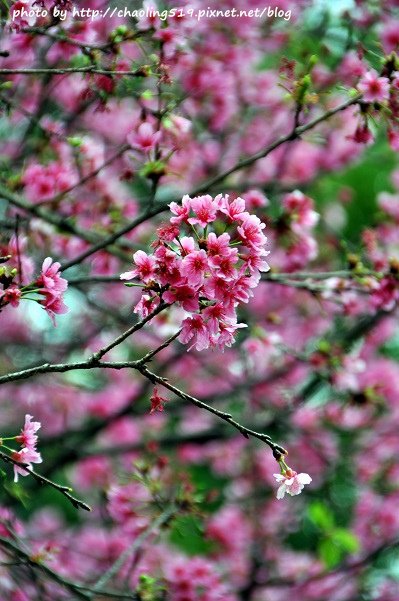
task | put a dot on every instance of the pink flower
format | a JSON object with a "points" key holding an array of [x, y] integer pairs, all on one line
{"points": [[11, 295], [52, 288], [194, 267], [255, 199], [23, 13], [291, 483], [225, 266], [146, 305], [185, 295], [205, 209], [145, 269], [50, 277], [227, 334], [390, 36], [181, 211], [145, 138], [195, 328], [27, 456], [300, 209], [167, 232], [385, 295], [362, 134], [251, 232], [235, 209], [150, 18], [54, 305], [373, 87], [393, 139], [218, 245], [28, 436]]}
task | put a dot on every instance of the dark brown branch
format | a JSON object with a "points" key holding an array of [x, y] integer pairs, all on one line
{"points": [[64, 490]]}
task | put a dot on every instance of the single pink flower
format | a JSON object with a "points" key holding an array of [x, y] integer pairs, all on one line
{"points": [[145, 139], [251, 231], [52, 288], [185, 295], [225, 266], [146, 305], [205, 209], [194, 267], [362, 134], [292, 483], [373, 87], [28, 436], [227, 334], [235, 210], [50, 277], [218, 245], [195, 328], [255, 199], [11, 295], [182, 211], [145, 268], [27, 456]]}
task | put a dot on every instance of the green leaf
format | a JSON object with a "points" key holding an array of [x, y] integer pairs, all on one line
{"points": [[187, 534], [321, 515], [79, 60], [329, 553], [391, 348], [345, 540]]}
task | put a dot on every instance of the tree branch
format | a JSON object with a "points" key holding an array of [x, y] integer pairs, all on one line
{"points": [[215, 180], [79, 590], [70, 70], [227, 417], [65, 490]]}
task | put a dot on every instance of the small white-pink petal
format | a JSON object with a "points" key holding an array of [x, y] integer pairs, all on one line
{"points": [[128, 275], [281, 491], [304, 478]]}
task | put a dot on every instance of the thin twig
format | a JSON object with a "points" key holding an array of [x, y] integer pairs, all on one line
{"points": [[65, 490], [227, 417], [117, 565], [79, 590], [213, 181], [69, 70]]}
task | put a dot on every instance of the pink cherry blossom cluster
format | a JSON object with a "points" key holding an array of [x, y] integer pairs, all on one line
{"points": [[49, 287], [43, 182], [296, 245], [28, 453], [208, 273], [52, 287]]}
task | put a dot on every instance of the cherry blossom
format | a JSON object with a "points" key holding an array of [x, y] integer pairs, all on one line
{"points": [[291, 483], [145, 139], [207, 277], [373, 87]]}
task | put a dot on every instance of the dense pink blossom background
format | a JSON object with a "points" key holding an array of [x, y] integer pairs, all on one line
{"points": [[199, 283]]}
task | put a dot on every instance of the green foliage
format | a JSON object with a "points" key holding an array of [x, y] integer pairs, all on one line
{"points": [[148, 588], [391, 348], [187, 533], [365, 180], [335, 542], [321, 515]]}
